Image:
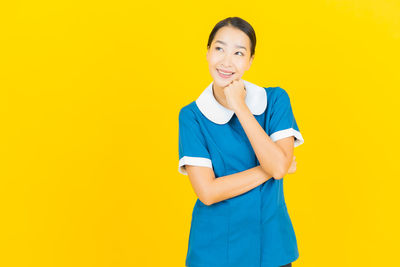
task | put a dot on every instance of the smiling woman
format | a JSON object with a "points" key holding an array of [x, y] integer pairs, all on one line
{"points": [[230, 52], [236, 143]]}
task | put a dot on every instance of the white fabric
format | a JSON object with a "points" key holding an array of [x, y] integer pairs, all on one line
{"points": [[286, 133], [256, 100], [197, 161]]}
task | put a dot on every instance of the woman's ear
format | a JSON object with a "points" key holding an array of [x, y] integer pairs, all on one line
{"points": [[250, 62]]}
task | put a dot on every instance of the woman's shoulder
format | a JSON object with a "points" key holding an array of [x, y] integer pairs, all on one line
{"points": [[188, 107], [275, 92], [188, 110]]}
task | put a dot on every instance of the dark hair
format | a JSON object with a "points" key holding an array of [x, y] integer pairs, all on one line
{"points": [[238, 23]]}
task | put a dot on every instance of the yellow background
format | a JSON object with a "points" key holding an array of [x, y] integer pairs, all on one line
{"points": [[90, 95]]}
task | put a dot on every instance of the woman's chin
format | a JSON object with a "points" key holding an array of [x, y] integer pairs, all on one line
{"points": [[223, 82]]}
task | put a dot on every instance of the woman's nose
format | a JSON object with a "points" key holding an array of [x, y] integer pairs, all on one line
{"points": [[227, 61]]}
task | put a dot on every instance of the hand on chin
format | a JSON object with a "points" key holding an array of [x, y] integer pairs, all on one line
{"points": [[225, 82]]}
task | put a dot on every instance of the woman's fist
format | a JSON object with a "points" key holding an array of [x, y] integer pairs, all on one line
{"points": [[235, 94]]}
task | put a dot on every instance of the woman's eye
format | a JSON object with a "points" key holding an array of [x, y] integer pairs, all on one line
{"points": [[217, 48]]}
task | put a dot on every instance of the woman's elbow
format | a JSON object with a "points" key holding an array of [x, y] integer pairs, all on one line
{"points": [[277, 173], [207, 202], [202, 180], [207, 199]]}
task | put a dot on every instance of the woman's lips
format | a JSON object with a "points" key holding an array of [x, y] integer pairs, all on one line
{"points": [[225, 76]]}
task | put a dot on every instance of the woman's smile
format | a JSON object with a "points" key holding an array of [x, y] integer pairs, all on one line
{"points": [[224, 74], [228, 55]]}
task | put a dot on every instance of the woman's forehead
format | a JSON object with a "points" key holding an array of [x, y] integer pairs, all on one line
{"points": [[232, 36]]}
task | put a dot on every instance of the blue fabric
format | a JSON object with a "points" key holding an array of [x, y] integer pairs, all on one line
{"points": [[282, 122], [281, 117], [192, 142], [253, 229]]}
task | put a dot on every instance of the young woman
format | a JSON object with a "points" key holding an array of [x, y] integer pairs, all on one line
{"points": [[236, 143]]}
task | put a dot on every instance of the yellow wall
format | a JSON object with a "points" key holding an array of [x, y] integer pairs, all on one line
{"points": [[89, 100]]}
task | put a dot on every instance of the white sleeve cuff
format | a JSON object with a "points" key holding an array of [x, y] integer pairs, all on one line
{"points": [[196, 161], [286, 133]]}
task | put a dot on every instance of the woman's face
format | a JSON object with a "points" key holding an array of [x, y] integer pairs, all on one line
{"points": [[229, 52]]}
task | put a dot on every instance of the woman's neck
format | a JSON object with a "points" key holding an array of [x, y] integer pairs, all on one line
{"points": [[219, 95]]}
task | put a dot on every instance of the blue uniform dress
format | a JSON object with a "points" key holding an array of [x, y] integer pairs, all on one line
{"points": [[252, 229]]}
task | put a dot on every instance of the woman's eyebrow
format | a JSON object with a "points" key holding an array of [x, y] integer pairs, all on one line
{"points": [[238, 46]]}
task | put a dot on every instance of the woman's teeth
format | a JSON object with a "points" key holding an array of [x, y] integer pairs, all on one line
{"points": [[225, 74]]}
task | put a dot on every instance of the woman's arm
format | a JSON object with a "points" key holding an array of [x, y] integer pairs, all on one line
{"points": [[211, 190], [274, 157]]}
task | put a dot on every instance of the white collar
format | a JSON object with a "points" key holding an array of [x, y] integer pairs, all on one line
{"points": [[256, 100]]}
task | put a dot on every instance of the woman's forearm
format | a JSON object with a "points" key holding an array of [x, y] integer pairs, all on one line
{"points": [[232, 185], [271, 157]]}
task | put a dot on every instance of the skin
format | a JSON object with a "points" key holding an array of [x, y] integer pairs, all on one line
{"points": [[228, 57], [276, 158]]}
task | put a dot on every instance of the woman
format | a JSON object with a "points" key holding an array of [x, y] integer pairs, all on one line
{"points": [[236, 143]]}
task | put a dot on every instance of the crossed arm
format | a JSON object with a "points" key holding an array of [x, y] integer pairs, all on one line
{"points": [[276, 159], [211, 190]]}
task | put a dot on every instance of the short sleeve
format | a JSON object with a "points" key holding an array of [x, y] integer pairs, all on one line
{"points": [[282, 122], [192, 143]]}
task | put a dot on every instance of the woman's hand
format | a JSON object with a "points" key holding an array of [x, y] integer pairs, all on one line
{"points": [[235, 94], [292, 167]]}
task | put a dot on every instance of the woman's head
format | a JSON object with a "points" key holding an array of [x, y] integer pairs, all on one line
{"points": [[231, 48]]}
